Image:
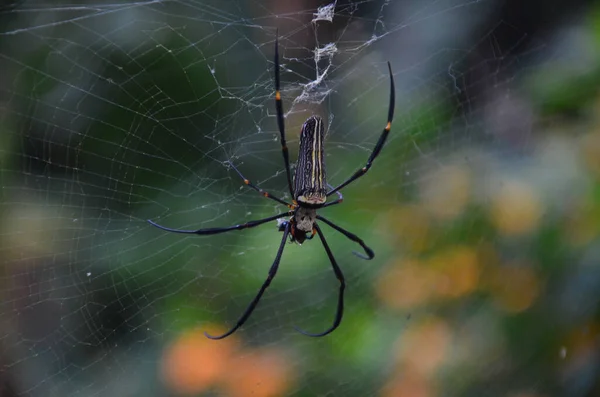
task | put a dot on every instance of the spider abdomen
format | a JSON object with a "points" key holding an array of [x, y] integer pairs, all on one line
{"points": [[310, 177]]}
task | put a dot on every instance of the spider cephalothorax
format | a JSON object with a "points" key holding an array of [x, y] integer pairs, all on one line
{"points": [[301, 224], [309, 192], [304, 219]]}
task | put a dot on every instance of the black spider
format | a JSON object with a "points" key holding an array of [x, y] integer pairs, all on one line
{"points": [[309, 193]]}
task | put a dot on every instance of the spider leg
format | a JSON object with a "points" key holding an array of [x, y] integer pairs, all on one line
{"points": [[340, 276], [280, 121], [338, 201], [353, 237], [380, 143], [252, 305], [262, 192], [218, 230]]}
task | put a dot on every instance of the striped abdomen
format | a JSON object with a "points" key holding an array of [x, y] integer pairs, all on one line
{"points": [[310, 179]]}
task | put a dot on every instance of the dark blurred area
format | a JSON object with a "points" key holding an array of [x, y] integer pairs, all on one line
{"points": [[483, 208]]}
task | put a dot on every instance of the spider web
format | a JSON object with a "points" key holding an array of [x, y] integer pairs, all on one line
{"points": [[113, 113]]}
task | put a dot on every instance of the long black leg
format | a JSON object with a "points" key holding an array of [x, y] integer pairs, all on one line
{"points": [[353, 237], [270, 277], [340, 276], [280, 121], [218, 230], [338, 201], [381, 141], [264, 193]]}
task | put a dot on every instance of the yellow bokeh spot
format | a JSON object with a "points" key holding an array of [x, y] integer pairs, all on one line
{"points": [[446, 194], [33, 229], [582, 225], [516, 209], [409, 226], [590, 149], [525, 394]]}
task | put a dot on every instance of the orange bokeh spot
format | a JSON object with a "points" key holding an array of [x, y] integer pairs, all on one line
{"points": [[409, 283], [514, 287], [458, 271], [258, 373], [406, 284], [192, 363], [581, 346], [408, 384], [423, 347]]}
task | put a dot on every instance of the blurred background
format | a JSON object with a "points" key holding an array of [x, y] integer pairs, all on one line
{"points": [[483, 208]]}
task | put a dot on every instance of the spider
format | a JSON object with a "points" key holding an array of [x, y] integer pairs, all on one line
{"points": [[309, 193]]}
